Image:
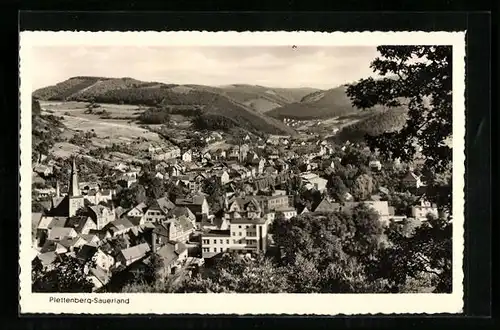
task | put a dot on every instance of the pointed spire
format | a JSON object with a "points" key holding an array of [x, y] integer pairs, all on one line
{"points": [[74, 189], [58, 190]]}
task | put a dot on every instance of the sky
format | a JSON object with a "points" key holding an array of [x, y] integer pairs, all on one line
{"points": [[280, 66]]}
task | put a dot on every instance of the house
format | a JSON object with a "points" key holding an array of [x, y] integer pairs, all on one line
{"points": [[95, 197], [325, 206], [375, 165], [178, 229], [132, 254], [173, 255], [91, 239], [247, 207], [412, 181], [222, 177], [313, 181], [220, 154], [170, 152], [425, 208], [101, 215], [187, 156], [182, 211], [45, 192], [271, 203], [119, 227], [288, 212], [60, 233], [81, 224], [197, 204], [157, 211], [137, 211], [72, 243], [43, 170]]}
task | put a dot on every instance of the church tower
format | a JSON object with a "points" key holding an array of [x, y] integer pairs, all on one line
{"points": [[75, 197]]}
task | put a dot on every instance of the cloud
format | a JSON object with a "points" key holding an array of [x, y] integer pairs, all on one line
{"points": [[322, 67]]}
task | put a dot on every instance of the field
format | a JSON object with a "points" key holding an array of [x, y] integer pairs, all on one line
{"points": [[112, 129], [108, 131]]}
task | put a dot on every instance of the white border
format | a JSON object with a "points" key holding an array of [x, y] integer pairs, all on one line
{"points": [[301, 304]]}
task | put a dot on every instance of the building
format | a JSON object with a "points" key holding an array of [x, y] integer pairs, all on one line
{"points": [[101, 215], [375, 165], [178, 230], [313, 181], [132, 254], [288, 212], [158, 211], [170, 152], [73, 201], [215, 242], [244, 236], [412, 181], [425, 208], [187, 156], [271, 203], [197, 204], [248, 235]]}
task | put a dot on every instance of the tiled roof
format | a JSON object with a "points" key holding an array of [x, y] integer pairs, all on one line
{"points": [[135, 252]]}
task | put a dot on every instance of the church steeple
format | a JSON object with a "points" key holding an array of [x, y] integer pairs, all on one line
{"points": [[74, 190]]}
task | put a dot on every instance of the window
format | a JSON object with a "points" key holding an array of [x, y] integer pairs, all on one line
{"points": [[234, 241], [227, 241], [215, 241], [234, 234], [215, 249], [221, 250], [239, 233], [247, 226], [239, 227], [221, 241]]}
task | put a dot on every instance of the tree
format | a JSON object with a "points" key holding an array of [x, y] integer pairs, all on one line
{"points": [[215, 193], [233, 273], [35, 106], [67, 275], [130, 197], [420, 79], [427, 251], [363, 187], [336, 187]]}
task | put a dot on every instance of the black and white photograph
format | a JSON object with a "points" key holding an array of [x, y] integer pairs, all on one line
{"points": [[287, 172]]}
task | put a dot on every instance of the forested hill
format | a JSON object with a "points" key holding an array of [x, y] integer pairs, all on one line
{"points": [[376, 124], [318, 105], [215, 102]]}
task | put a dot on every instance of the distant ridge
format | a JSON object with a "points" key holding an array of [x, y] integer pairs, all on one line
{"points": [[233, 104]]}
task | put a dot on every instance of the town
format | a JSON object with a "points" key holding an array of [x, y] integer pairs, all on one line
{"points": [[183, 208]]}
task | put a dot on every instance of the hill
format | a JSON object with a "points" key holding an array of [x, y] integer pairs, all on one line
{"points": [[259, 98], [317, 105], [376, 124], [184, 99]]}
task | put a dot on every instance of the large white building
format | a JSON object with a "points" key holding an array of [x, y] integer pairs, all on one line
{"points": [[244, 236]]}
